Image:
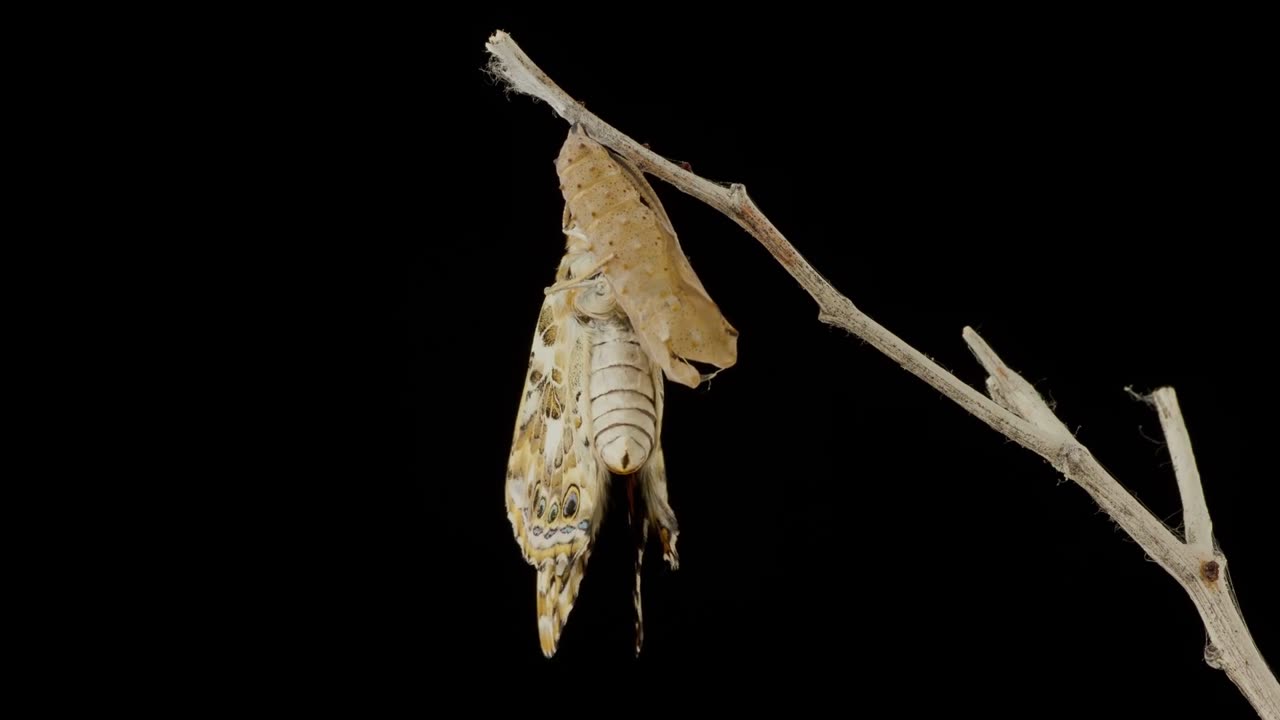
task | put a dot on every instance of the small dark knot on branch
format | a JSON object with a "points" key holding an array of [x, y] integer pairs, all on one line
{"points": [[1213, 656], [1209, 571]]}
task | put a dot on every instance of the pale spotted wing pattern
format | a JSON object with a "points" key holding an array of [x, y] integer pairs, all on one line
{"points": [[555, 487]]}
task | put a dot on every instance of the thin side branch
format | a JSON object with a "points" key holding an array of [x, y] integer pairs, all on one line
{"points": [[1012, 392], [1077, 463], [1195, 512], [1018, 412]]}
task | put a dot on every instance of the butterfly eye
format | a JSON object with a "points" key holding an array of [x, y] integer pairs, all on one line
{"points": [[555, 510], [542, 506], [571, 503]]}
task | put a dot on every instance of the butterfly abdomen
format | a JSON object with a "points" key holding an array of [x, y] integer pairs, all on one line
{"points": [[623, 415]]}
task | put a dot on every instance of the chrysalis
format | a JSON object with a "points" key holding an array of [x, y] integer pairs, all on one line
{"points": [[619, 221]]}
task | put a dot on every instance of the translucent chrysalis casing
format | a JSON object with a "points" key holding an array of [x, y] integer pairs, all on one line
{"points": [[614, 213]]}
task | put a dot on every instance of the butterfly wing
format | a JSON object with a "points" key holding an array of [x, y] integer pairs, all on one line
{"points": [[555, 487]]}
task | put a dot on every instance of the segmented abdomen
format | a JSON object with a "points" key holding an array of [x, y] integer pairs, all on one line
{"points": [[622, 393]]}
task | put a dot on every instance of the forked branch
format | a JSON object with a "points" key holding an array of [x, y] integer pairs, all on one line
{"points": [[1015, 409]]}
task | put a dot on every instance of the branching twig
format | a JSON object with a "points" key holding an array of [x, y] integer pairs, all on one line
{"points": [[1018, 411]]}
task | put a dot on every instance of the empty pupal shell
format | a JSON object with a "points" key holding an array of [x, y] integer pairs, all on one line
{"points": [[613, 210]]}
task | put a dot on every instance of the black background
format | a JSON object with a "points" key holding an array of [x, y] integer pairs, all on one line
{"points": [[1084, 191]]}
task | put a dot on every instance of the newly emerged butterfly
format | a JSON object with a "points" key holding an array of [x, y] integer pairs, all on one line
{"points": [[625, 307]]}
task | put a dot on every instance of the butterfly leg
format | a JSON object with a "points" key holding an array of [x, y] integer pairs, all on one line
{"points": [[639, 522], [578, 282], [654, 485]]}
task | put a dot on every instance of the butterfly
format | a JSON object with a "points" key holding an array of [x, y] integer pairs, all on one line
{"points": [[625, 309]]}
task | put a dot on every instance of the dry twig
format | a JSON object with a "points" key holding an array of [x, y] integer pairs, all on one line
{"points": [[1015, 409]]}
